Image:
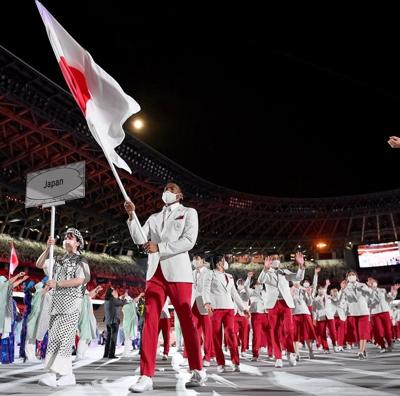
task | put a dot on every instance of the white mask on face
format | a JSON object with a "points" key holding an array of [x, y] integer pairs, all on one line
{"points": [[322, 292], [68, 242], [275, 264], [352, 278], [226, 265], [240, 287], [374, 285], [306, 284], [258, 287], [168, 197]]}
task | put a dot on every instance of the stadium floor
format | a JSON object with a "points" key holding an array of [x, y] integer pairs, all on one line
{"points": [[333, 374]]}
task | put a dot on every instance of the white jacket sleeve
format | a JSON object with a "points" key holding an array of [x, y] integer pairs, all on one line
{"points": [[298, 276], [186, 241], [236, 298], [135, 231], [265, 277], [207, 287], [249, 291]]}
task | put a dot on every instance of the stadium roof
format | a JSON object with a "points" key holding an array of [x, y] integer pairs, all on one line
{"points": [[41, 127]]}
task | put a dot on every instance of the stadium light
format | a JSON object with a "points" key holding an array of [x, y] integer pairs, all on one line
{"points": [[138, 124], [321, 245]]}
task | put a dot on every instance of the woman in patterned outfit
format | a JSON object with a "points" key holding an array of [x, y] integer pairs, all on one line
{"points": [[70, 275]]}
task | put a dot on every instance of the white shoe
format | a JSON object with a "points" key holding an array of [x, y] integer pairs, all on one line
{"points": [[66, 380], [278, 363], [254, 359], [143, 384], [206, 363], [49, 380], [236, 368], [243, 354], [165, 357], [292, 359], [221, 369], [199, 377]]}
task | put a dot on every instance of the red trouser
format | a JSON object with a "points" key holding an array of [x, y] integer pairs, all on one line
{"points": [[358, 327], [259, 324], [280, 316], [340, 330], [204, 326], [165, 327], [323, 325], [242, 331], [180, 293], [382, 326], [224, 317]]}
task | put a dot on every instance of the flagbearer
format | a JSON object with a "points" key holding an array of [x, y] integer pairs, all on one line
{"points": [[171, 233], [70, 275]]}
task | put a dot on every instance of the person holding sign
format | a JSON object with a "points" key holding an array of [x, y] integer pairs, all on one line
{"points": [[171, 233], [69, 276]]}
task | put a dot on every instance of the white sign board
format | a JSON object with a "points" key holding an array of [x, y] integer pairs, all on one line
{"points": [[63, 183]]}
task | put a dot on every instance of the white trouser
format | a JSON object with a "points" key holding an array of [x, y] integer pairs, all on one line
{"points": [[30, 352], [127, 346], [82, 348]]}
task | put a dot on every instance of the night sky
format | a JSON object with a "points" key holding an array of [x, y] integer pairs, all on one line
{"points": [[296, 103]]}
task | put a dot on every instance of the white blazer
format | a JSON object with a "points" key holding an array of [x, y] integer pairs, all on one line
{"points": [[380, 301], [257, 298], [322, 308], [278, 281], [356, 295], [220, 291], [301, 301], [198, 286], [338, 306], [174, 238], [246, 301]]}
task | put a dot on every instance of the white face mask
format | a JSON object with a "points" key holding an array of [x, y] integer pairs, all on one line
{"points": [[306, 284], [168, 197], [240, 287], [226, 265], [374, 285], [352, 278], [68, 242], [258, 287], [321, 292], [275, 264]]}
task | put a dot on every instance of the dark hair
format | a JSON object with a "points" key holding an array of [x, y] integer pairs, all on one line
{"points": [[108, 293], [214, 259]]}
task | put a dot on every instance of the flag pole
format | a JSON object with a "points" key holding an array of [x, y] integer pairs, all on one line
{"points": [[51, 253], [126, 197]]}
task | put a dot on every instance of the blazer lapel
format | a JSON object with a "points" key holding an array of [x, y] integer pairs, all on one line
{"points": [[220, 281]]}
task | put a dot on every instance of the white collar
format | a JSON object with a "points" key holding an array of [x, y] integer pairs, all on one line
{"points": [[172, 207]]}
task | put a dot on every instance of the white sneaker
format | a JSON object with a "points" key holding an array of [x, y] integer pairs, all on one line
{"points": [[236, 368], [254, 359], [278, 363], [199, 377], [220, 369], [165, 357], [206, 363], [49, 380], [66, 380], [243, 354], [143, 384], [292, 359], [383, 350]]}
